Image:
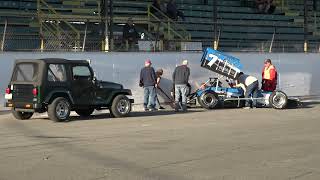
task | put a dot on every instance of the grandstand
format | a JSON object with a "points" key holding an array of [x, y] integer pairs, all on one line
{"points": [[234, 25]]}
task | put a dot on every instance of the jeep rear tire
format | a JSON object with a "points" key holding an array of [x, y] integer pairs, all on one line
{"points": [[59, 109], [121, 106], [84, 112], [22, 115]]}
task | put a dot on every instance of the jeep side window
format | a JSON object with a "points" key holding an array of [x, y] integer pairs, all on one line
{"points": [[81, 72], [57, 72]]}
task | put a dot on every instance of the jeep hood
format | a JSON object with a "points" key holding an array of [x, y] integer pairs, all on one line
{"points": [[110, 85]]}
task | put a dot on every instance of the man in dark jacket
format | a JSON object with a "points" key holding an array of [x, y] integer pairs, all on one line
{"points": [[180, 79], [130, 34], [148, 80], [173, 12]]}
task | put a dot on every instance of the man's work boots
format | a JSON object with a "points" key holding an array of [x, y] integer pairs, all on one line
{"points": [[176, 106], [184, 107]]}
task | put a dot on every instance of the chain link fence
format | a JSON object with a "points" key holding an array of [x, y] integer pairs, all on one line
{"points": [[17, 38]]}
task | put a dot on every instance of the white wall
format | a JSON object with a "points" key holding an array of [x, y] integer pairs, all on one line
{"points": [[299, 73]]}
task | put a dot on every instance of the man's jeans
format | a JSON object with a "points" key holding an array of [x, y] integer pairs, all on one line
{"points": [[149, 97], [252, 89], [181, 91]]}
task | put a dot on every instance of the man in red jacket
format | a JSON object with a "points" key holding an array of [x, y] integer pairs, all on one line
{"points": [[269, 76]]}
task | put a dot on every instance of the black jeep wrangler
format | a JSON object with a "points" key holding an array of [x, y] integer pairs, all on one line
{"points": [[58, 86]]}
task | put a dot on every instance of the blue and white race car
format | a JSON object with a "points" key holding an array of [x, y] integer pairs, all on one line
{"points": [[219, 92]]}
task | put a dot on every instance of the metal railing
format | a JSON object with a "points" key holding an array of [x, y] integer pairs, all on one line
{"points": [[50, 26], [172, 27]]}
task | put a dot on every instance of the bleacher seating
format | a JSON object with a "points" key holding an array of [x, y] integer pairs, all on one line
{"points": [[239, 27]]}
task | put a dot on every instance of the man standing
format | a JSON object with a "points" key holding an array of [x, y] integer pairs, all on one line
{"points": [[159, 74], [130, 35], [180, 79], [250, 85], [148, 80], [269, 76], [173, 12]]}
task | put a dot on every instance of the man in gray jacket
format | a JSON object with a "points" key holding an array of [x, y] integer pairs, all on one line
{"points": [[180, 79]]}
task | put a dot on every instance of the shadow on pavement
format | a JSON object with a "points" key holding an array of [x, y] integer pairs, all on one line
{"points": [[310, 104], [105, 116]]}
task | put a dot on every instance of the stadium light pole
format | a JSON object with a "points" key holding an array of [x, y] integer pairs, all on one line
{"points": [[305, 24], [111, 25], [215, 17], [105, 25]]}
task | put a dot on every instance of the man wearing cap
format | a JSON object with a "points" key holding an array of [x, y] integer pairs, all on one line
{"points": [[180, 80], [148, 80], [269, 76]]}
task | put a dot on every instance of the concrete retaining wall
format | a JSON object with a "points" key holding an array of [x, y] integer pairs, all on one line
{"points": [[299, 73]]}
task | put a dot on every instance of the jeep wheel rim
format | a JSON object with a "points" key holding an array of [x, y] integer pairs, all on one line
{"points": [[123, 106], [62, 110]]}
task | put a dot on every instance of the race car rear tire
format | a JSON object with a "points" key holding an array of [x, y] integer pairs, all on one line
{"points": [[209, 100], [278, 100]]}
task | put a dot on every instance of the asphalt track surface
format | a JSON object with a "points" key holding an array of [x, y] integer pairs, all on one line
{"points": [[224, 144]]}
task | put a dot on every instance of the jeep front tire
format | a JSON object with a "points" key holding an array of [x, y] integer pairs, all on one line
{"points": [[59, 109], [121, 106], [22, 115]]}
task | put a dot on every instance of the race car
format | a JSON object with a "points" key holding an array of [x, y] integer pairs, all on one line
{"points": [[219, 92], [213, 94]]}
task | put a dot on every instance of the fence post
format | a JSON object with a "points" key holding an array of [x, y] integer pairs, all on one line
{"points": [[4, 35], [41, 45], [149, 28], [169, 34], [305, 46], [85, 36]]}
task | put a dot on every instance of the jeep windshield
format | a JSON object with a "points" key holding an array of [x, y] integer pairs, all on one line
{"points": [[25, 72]]}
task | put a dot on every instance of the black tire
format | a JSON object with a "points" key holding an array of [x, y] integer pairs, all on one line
{"points": [[111, 114], [278, 100], [59, 109], [22, 115], [121, 106], [209, 100], [84, 112]]}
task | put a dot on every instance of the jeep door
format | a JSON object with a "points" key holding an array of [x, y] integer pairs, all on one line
{"points": [[82, 85], [56, 80]]}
